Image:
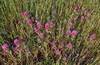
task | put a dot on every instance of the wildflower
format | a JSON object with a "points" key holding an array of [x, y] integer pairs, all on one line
{"points": [[29, 22], [16, 42], [49, 25], [25, 13], [69, 45], [38, 25], [92, 37], [5, 48], [37, 29], [57, 52], [73, 33]]}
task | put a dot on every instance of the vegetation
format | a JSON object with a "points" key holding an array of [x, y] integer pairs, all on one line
{"points": [[49, 32]]}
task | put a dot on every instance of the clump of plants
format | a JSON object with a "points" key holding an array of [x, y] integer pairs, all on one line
{"points": [[59, 40]]}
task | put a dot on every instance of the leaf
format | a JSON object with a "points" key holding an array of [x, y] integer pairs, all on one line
{"points": [[1, 40]]}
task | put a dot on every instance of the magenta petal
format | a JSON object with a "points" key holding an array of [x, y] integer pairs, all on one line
{"points": [[69, 45], [36, 30], [29, 22], [74, 33], [17, 42], [25, 13], [5, 47], [49, 25], [38, 25], [57, 52]]}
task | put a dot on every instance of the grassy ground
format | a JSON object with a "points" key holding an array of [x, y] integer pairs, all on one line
{"points": [[80, 15]]}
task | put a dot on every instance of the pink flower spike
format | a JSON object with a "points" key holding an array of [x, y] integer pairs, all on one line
{"points": [[36, 30], [17, 42], [49, 25], [5, 47], [57, 52], [37, 27], [25, 13], [92, 37], [38, 24], [29, 22], [74, 33], [69, 45]]}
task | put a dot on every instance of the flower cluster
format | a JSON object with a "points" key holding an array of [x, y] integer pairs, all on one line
{"points": [[15, 46], [5, 48], [42, 29]]}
